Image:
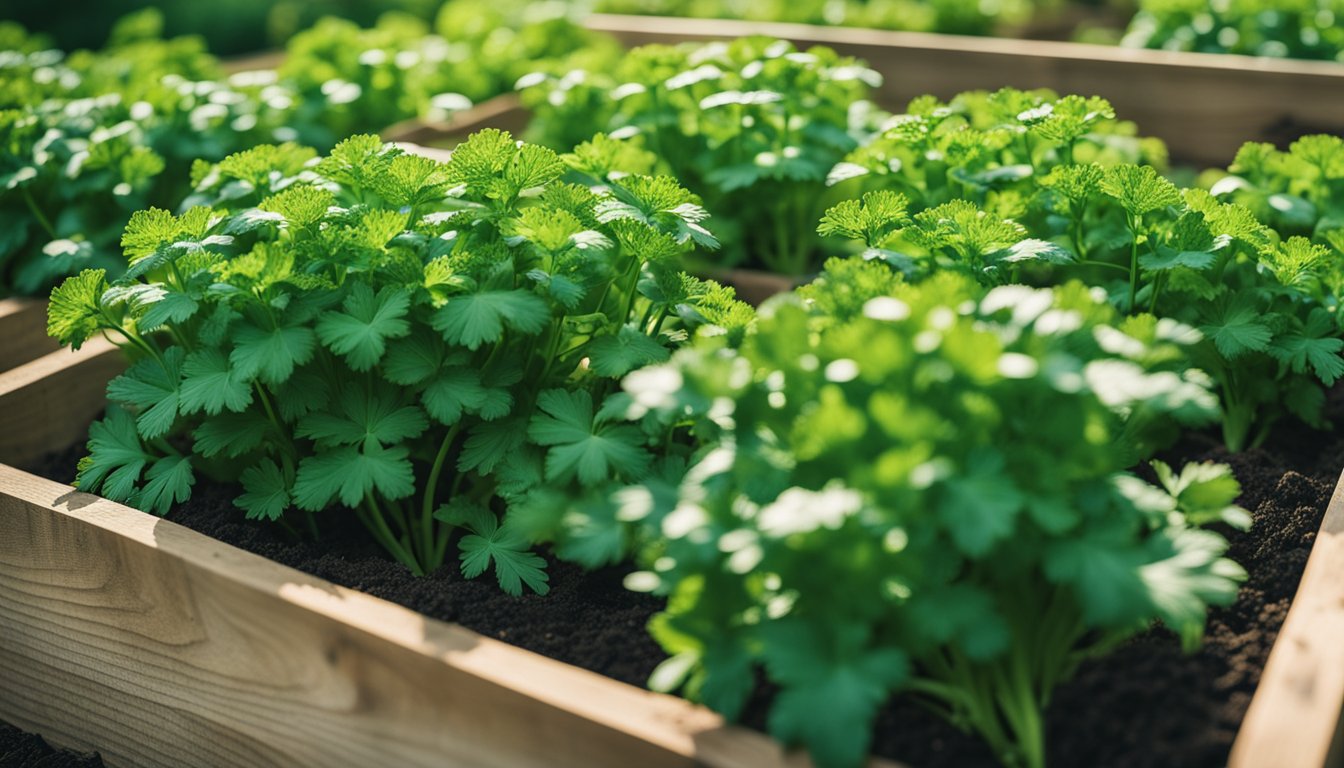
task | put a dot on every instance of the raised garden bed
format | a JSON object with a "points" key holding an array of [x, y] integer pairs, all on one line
{"points": [[1204, 106], [157, 645]]}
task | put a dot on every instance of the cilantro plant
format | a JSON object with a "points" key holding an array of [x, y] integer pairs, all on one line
{"points": [[415, 342], [366, 79], [1298, 29], [1297, 192], [947, 195], [753, 126], [988, 541], [90, 137]]}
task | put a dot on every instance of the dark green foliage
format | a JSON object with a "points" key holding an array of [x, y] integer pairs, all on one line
{"points": [[753, 126], [418, 342], [1017, 187], [911, 488], [1297, 29]]}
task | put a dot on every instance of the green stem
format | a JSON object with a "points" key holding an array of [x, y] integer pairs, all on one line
{"points": [[1133, 263], [435, 558], [42, 220], [372, 518]]}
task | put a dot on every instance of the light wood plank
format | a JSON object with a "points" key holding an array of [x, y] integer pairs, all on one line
{"points": [[1203, 105], [23, 332], [502, 112], [47, 403], [160, 647], [1294, 717]]}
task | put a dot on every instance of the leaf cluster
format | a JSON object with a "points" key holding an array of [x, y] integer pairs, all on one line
{"points": [[1296, 29], [751, 125], [1046, 196], [416, 343], [989, 540]]}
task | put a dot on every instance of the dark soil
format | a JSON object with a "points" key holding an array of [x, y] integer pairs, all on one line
{"points": [[1148, 704], [25, 750]]}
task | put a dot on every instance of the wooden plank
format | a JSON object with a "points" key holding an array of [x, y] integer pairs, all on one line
{"points": [[48, 403], [1203, 105], [503, 112], [23, 332], [249, 62], [160, 647], [1294, 717]]}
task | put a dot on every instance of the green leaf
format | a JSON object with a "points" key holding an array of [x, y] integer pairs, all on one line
{"points": [[581, 446], [830, 693], [151, 388], [360, 333], [1236, 328], [980, 508], [168, 482], [515, 563], [232, 434], [350, 473], [265, 492], [1139, 189], [115, 458], [364, 417], [270, 354], [477, 318], [1036, 250], [210, 384], [489, 444], [73, 315], [1315, 346], [617, 354]]}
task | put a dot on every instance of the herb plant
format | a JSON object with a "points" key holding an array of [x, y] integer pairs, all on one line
{"points": [[365, 79], [1298, 29], [988, 541], [753, 126], [90, 137], [953, 196], [416, 342]]}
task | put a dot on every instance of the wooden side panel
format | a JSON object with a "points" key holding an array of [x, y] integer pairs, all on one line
{"points": [[1204, 106], [47, 404], [159, 647], [23, 332], [503, 112], [1295, 714]]}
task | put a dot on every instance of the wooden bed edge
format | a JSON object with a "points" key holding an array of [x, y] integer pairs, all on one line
{"points": [[23, 332], [47, 403], [1294, 720], [633, 28], [684, 733]]}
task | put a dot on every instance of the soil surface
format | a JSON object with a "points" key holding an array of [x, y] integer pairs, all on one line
{"points": [[1146, 705], [25, 750]]}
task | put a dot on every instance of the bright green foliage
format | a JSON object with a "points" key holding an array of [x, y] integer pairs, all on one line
{"points": [[927, 495], [753, 126], [87, 138], [1298, 29], [950, 16], [1038, 191], [389, 334], [365, 79]]}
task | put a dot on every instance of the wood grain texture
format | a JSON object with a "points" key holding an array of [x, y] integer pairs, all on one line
{"points": [[160, 647], [1203, 105], [1294, 718], [48, 403], [23, 332]]}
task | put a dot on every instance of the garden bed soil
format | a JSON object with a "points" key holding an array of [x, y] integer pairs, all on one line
{"points": [[1147, 704], [19, 749]]}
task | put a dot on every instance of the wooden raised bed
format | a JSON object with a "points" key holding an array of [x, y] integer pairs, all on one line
{"points": [[1204, 106], [158, 646]]}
